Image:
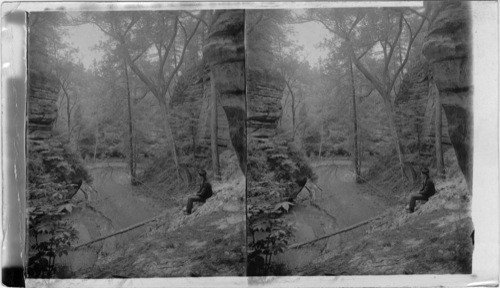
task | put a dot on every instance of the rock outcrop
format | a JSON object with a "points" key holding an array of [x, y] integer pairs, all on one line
{"points": [[274, 164], [191, 104], [42, 109], [224, 53], [447, 47], [49, 160], [416, 109]]}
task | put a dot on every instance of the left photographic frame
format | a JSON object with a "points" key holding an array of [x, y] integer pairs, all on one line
{"points": [[135, 144]]}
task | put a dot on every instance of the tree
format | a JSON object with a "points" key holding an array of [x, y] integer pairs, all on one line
{"points": [[214, 129], [146, 41], [130, 127], [438, 126], [71, 78], [355, 124], [362, 31]]}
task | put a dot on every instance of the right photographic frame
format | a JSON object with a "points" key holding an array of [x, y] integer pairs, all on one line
{"points": [[360, 136]]}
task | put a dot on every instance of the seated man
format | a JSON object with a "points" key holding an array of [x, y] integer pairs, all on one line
{"points": [[425, 193], [203, 194]]}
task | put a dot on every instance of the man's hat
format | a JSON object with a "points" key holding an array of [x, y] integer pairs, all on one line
{"points": [[425, 171]]}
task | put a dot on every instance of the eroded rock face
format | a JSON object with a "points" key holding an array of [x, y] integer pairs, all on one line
{"points": [[46, 152], [250, 94], [264, 93], [415, 101], [275, 164], [42, 109], [447, 47], [225, 55], [191, 98]]}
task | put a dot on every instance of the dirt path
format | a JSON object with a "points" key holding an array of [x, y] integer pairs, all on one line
{"points": [[340, 204]]}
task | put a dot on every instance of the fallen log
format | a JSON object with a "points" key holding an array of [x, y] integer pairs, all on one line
{"points": [[118, 232], [297, 245]]}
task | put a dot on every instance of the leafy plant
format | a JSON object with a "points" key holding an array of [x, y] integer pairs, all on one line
{"points": [[270, 235], [50, 235]]}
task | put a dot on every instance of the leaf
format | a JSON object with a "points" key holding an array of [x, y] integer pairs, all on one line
{"points": [[68, 207], [285, 205], [260, 226]]}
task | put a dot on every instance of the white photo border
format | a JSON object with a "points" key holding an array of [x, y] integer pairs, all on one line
{"points": [[485, 201]]}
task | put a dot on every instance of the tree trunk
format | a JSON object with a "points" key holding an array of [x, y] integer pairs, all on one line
{"points": [[360, 155], [355, 122], [214, 129], [224, 53], [193, 134], [168, 132], [95, 146], [68, 113], [321, 139], [419, 145], [394, 133], [130, 128], [438, 123], [293, 109]]}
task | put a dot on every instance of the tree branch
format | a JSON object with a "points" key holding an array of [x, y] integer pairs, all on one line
{"points": [[393, 45], [407, 56], [196, 17], [251, 28], [366, 51], [418, 14], [169, 47], [130, 25], [372, 78], [172, 75], [355, 23]]}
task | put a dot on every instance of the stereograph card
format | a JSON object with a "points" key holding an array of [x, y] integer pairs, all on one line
{"points": [[269, 144]]}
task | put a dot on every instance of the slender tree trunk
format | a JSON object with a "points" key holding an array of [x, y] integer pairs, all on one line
{"points": [[321, 139], [293, 108], [438, 133], [355, 122], [168, 131], [193, 133], [68, 113], [394, 133], [96, 138], [214, 129], [419, 132], [130, 127], [360, 155]]}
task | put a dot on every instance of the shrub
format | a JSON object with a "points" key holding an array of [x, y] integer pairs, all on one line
{"points": [[50, 235], [264, 219]]}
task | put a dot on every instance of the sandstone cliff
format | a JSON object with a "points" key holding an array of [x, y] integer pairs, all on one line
{"points": [[192, 106], [224, 53], [416, 110], [274, 163], [447, 47]]}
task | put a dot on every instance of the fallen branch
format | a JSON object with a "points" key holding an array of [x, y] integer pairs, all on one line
{"points": [[297, 245], [118, 232]]}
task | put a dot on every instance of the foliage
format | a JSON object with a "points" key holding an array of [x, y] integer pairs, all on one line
{"points": [[273, 168], [53, 171], [52, 236], [270, 236], [44, 37], [55, 162]]}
